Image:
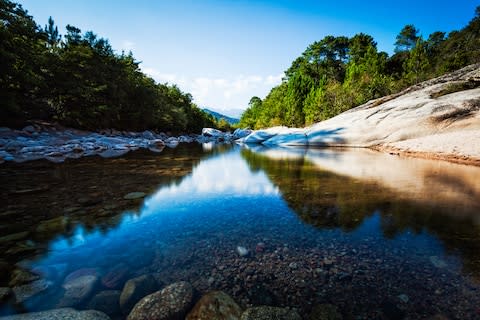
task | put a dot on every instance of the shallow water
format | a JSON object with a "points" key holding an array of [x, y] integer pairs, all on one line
{"points": [[378, 236]]}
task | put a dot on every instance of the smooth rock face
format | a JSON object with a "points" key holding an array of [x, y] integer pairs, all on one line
{"points": [[270, 313], [135, 289], [60, 314], [415, 120], [215, 305], [171, 303]]}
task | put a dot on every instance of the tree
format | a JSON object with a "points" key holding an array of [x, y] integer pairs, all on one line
{"points": [[407, 38], [53, 37], [417, 64]]}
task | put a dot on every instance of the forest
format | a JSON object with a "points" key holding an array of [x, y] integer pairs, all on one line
{"points": [[336, 74], [78, 80]]}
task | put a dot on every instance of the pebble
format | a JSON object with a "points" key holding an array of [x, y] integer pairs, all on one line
{"points": [[242, 251]]}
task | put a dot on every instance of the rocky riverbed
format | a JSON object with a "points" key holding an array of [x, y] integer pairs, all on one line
{"points": [[56, 143]]}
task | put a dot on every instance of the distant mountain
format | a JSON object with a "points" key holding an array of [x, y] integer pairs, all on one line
{"points": [[219, 116]]}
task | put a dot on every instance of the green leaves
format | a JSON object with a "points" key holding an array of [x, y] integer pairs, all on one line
{"points": [[81, 82]]}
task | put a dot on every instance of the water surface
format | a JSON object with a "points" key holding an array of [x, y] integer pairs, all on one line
{"points": [[378, 236]]}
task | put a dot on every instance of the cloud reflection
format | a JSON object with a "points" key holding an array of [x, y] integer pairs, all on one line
{"points": [[226, 175]]}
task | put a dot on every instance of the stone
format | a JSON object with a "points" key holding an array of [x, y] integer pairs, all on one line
{"points": [[171, 303], [135, 289], [5, 294], [115, 277], [215, 305], [54, 225], [60, 314], [106, 301], [29, 129], [77, 290], [325, 312], [22, 276], [210, 132], [134, 195], [14, 236], [27, 291], [437, 262], [403, 297], [270, 313], [241, 133], [242, 251]]}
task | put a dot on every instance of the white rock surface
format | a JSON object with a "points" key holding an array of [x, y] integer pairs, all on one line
{"points": [[411, 121]]}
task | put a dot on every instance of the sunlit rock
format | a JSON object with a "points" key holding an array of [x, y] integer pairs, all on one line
{"points": [[210, 132]]}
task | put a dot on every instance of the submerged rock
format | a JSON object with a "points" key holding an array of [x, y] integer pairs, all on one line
{"points": [[325, 312], [116, 276], [171, 303], [437, 262], [270, 313], [60, 314], [215, 305], [135, 289], [106, 301], [134, 195], [242, 251], [78, 289], [27, 291]]}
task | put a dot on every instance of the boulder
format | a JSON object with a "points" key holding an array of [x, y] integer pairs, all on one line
{"points": [[135, 289], [325, 312], [215, 305], [293, 138], [171, 303], [106, 301], [60, 314], [30, 290], [115, 277], [270, 313], [260, 136], [241, 133], [78, 289], [210, 132]]}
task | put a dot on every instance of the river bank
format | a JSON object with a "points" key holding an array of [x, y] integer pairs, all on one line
{"points": [[435, 119], [56, 143]]}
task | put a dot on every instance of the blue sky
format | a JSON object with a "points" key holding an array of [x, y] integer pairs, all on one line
{"points": [[225, 52]]}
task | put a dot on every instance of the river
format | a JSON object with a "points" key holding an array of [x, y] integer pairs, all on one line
{"points": [[375, 235]]}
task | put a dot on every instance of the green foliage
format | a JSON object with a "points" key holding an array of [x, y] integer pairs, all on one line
{"points": [[82, 82], [336, 74]]}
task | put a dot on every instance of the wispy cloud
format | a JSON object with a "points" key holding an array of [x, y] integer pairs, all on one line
{"points": [[128, 45], [221, 93]]}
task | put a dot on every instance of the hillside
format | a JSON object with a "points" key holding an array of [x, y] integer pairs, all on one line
{"points": [[439, 118], [218, 116]]}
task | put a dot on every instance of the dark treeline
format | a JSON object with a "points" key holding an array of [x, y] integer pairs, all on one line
{"points": [[338, 73], [78, 80]]}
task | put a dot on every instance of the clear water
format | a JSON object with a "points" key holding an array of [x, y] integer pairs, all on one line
{"points": [[376, 235]]}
